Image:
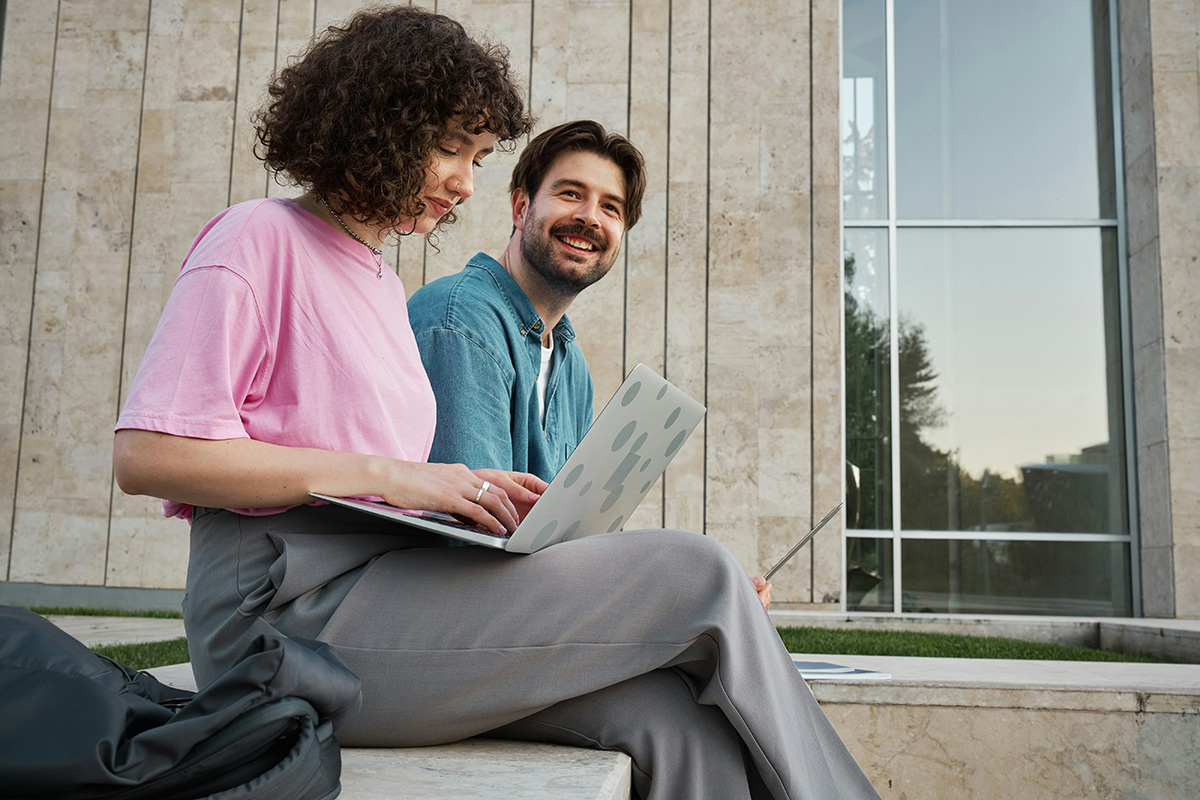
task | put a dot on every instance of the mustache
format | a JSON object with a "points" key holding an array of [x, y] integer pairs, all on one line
{"points": [[581, 231]]}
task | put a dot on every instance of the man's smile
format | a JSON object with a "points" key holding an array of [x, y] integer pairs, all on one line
{"points": [[579, 240]]}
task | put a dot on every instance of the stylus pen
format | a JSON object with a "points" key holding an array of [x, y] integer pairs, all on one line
{"points": [[803, 542]]}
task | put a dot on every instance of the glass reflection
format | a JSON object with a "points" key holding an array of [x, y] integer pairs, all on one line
{"points": [[864, 110], [868, 380], [999, 577], [1010, 381], [869, 574], [1003, 110]]}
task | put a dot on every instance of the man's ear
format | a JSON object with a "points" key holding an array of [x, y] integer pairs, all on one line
{"points": [[520, 205]]}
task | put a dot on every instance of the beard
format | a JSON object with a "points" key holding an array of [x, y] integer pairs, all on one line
{"points": [[565, 273]]}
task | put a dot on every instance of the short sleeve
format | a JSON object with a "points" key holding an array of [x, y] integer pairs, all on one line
{"points": [[206, 362]]}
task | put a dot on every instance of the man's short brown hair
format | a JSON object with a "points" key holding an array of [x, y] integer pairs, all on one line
{"points": [[587, 136]]}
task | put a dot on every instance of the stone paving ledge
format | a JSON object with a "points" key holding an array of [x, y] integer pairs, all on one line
{"points": [[1014, 684], [99, 631], [474, 769], [1177, 639]]}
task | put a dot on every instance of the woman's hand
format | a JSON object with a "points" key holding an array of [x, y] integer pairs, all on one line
{"points": [[242, 473], [763, 587], [522, 488], [494, 499]]}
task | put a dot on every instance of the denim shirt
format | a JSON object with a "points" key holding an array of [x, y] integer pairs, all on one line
{"points": [[481, 342]]}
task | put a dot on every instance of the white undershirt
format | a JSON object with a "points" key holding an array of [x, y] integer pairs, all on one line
{"points": [[544, 377]]}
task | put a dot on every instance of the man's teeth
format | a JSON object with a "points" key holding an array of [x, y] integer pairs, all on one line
{"points": [[582, 244]]}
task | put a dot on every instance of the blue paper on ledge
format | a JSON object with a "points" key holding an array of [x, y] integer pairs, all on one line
{"points": [[826, 671]]}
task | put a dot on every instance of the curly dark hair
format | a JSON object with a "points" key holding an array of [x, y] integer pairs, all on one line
{"points": [[358, 115]]}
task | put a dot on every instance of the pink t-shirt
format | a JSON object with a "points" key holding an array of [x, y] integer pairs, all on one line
{"points": [[279, 330]]}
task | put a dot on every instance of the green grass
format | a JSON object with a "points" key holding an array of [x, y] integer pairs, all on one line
{"points": [[826, 641], [147, 654], [939, 645], [798, 640], [103, 612]]}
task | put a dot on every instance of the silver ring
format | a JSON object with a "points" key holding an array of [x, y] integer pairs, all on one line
{"points": [[482, 489]]}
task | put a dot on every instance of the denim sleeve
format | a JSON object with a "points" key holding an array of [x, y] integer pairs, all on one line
{"points": [[474, 399]]}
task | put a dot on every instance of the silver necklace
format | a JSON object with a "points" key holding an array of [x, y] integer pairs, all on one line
{"points": [[378, 253]]}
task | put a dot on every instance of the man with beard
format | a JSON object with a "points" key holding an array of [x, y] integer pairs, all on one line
{"points": [[513, 390]]}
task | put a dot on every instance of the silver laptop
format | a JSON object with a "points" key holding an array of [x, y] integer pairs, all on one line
{"points": [[622, 455]]}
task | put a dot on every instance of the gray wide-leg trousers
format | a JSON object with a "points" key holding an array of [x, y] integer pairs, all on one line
{"points": [[650, 642]]}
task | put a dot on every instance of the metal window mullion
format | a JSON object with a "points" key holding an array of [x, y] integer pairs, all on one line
{"points": [[889, 38], [1014, 536], [987, 223], [1131, 501]]}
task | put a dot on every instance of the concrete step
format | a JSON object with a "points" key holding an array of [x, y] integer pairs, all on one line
{"points": [[1174, 639], [474, 769], [991, 728]]}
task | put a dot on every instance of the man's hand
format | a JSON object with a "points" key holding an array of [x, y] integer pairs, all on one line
{"points": [[763, 587]]}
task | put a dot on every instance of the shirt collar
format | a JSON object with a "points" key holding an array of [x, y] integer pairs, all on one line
{"points": [[518, 301]]}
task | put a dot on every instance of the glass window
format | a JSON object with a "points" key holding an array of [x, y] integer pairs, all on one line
{"points": [[864, 111], [868, 574], [990, 393], [868, 380], [1003, 110], [1010, 401], [998, 577]]}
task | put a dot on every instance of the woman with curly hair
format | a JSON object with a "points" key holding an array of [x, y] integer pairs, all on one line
{"points": [[284, 364]]}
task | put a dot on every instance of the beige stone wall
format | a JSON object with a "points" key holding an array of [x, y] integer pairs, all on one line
{"points": [[1160, 62], [1175, 53], [124, 129]]}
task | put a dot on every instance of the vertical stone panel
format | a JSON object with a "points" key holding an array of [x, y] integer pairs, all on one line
{"points": [[256, 61], [485, 220], [293, 32], [64, 485], [183, 180], [1146, 309], [25, 82], [1175, 48], [645, 245], [825, 311], [735, 318], [786, 393], [687, 250], [759, 387], [330, 12], [596, 87]]}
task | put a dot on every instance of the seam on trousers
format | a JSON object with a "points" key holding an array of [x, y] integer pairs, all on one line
{"points": [[733, 710]]}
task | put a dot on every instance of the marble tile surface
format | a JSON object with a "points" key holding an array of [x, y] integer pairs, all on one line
{"points": [[25, 83], [98, 631], [687, 256], [1179, 225], [1187, 576], [1145, 296], [78, 303], [1174, 35], [1154, 495], [1158, 581], [184, 175], [256, 61], [485, 769], [646, 243]]}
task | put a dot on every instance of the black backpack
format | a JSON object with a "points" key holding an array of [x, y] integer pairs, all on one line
{"points": [[77, 726]]}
